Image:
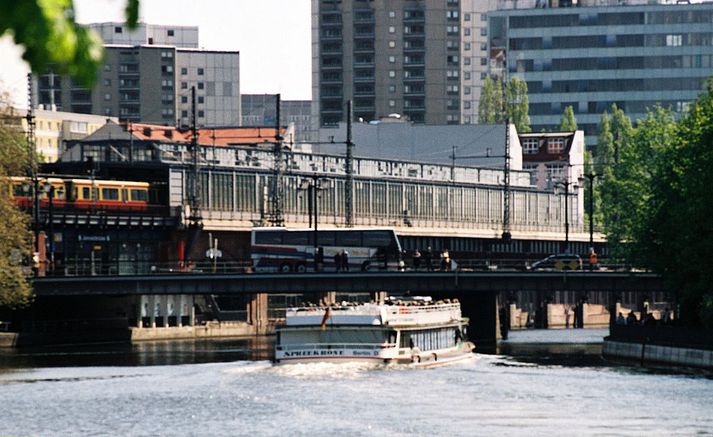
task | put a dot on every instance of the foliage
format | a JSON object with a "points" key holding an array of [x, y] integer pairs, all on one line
{"points": [[15, 238], [569, 122], [50, 36], [658, 203], [490, 108]]}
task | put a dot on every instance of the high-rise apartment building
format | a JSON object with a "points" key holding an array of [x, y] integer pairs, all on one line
{"points": [[387, 56], [148, 75], [635, 55]]}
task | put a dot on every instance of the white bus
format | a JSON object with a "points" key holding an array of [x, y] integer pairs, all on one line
{"points": [[292, 250]]}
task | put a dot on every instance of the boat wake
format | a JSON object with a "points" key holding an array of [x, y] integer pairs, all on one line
{"points": [[325, 369], [242, 367]]}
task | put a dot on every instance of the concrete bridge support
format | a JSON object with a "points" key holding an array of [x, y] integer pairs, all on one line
{"points": [[257, 313], [164, 311]]}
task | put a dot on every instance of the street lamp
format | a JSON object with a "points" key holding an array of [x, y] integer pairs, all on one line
{"points": [[49, 189], [312, 185], [566, 184], [591, 177]]}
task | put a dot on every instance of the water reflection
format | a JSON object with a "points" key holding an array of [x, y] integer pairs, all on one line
{"points": [[139, 354]]}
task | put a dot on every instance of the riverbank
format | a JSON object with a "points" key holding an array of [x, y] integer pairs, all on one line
{"points": [[660, 346]]}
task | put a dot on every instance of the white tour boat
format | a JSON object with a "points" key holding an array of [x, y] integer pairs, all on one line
{"points": [[412, 330]]}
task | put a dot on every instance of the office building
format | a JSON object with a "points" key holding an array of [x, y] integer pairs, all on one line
{"points": [[148, 75], [259, 110], [634, 56]]}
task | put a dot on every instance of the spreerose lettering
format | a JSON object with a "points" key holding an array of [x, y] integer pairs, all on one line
{"points": [[327, 353]]}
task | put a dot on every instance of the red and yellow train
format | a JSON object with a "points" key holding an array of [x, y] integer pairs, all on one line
{"points": [[83, 194]]}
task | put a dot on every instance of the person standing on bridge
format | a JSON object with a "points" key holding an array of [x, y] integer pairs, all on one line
{"points": [[416, 260], [338, 261], [345, 261], [593, 259], [428, 258]]}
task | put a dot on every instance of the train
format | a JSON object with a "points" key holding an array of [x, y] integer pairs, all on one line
{"points": [[84, 194]]}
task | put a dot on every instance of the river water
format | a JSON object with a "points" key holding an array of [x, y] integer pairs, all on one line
{"points": [[541, 383]]}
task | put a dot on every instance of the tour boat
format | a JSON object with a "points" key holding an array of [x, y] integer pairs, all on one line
{"points": [[412, 330]]}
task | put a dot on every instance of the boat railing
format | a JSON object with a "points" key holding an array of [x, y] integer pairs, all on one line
{"points": [[408, 309], [333, 346]]}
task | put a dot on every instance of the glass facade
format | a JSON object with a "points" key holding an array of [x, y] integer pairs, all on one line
{"points": [[590, 58]]}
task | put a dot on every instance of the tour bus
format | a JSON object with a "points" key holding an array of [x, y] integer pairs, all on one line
{"points": [[292, 250]]}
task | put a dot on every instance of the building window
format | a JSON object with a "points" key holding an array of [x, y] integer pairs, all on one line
{"points": [[466, 31], [184, 114], [466, 60], [107, 67], [107, 96], [674, 40], [170, 32], [451, 89], [200, 72], [201, 114], [483, 17], [201, 99], [466, 75], [392, 59], [184, 85], [466, 17], [184, 99], [392, 88], [118, 29], [530, 146], [483, 31], [452, 14], [392, 73], [466, 105], [392, 14], [392, 29], [467, 46], [107, 111], [392, 44], [392, 103], [555, 145], [554, 172], [184, 71], [107, 82], [200, 85]]}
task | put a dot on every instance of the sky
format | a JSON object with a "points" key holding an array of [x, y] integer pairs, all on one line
{"points": [[272, 36]]}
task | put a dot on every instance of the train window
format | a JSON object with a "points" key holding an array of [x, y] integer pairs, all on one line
{"points": [[59, 193], [20, 190], [139, 195], [85, 193], [110, 194]]}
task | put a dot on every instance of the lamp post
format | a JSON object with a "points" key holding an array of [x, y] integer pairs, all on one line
{"points": [[49, 189], [591, 177], [312, 185], [566, 184]]}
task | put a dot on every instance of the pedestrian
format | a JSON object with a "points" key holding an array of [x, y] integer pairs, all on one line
{"points": [[428, 258], [575, 311], [445, 261], [620, 320], [593, 260], [345, 261], [631, 319], [319, 259], [338, 261], [416, 259], [665, 316], [566, 316]]}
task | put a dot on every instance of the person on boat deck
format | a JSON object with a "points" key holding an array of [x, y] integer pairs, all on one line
{"points": [[631, 319]]}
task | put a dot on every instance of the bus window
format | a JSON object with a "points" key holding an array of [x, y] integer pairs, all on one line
{"points": [[378, 238], [110, 194], [139, 195], [296, 238], [268, 237], [326, 238], [349, 238]]}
